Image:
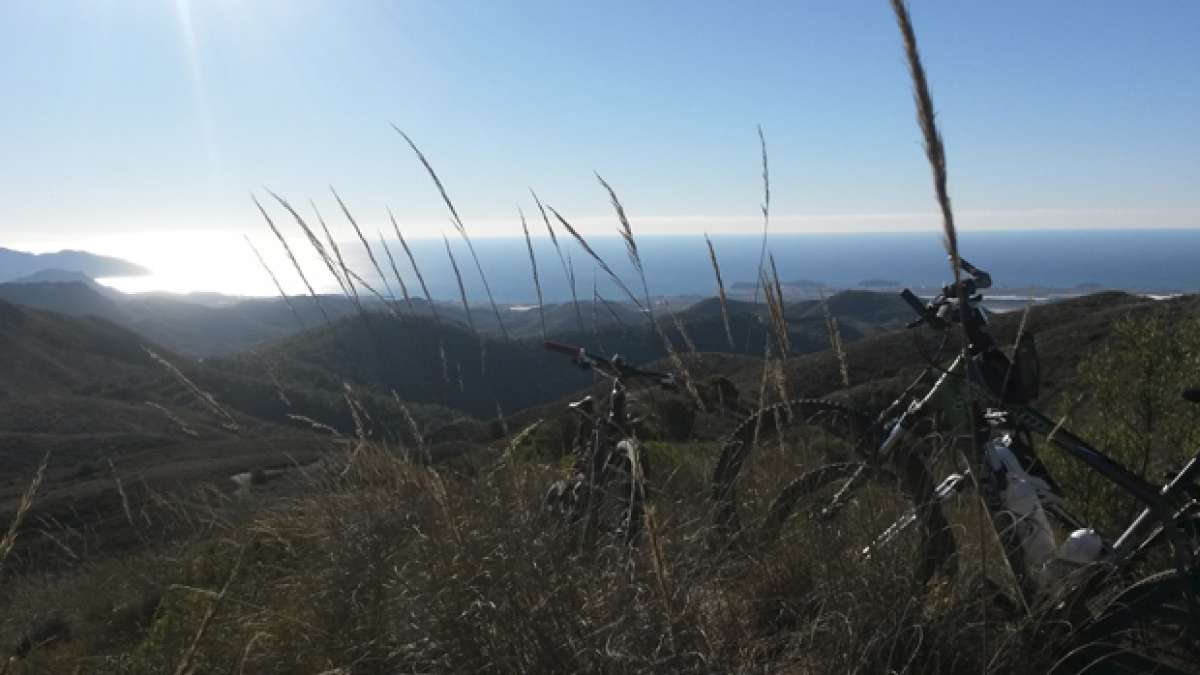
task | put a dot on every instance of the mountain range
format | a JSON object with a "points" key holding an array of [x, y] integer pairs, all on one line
{"points": [[16, 264]]}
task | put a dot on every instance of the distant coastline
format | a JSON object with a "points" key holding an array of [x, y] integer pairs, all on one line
{"points": [[1022, 262]]}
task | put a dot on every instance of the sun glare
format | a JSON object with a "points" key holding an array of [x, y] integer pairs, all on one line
{"points": [[195, 261]]}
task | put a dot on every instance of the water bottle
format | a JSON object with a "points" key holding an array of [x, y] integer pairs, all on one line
{"points": [[1019, 494]]}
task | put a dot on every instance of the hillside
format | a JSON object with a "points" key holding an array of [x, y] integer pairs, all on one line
{"points": [[211, 324], [1066, 332], [196, 327], [44, 352], [405, 355], [17, 264], [349, 513]]}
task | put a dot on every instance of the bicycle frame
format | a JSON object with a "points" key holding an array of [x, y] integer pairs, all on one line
{"points": [[1165, 508]]}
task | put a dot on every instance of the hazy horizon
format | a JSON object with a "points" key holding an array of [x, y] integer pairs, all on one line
{"points": [[1146, 260]]}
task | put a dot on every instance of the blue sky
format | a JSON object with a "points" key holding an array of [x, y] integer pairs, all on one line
{"points": [[123, 116]]}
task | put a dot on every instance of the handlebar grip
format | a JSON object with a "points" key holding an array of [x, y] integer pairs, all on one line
{"points": [[916, 304], [561, 348], [982, 279]]}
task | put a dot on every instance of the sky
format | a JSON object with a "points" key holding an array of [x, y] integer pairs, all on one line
{"points": [[126, 120]]}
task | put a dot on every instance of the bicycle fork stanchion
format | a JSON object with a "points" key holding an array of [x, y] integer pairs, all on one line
{"points": [[596, 475], [949, 488], [615, 418]]}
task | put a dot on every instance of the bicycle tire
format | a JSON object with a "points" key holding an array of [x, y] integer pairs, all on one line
{"points": [[614, 504], [738, 446], [831, 484], [1148, 627]]}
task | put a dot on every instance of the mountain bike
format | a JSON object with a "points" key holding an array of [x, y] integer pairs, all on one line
{"points": [[607, 483], [885, 464]]}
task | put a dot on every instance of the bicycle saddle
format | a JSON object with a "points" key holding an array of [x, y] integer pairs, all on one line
{"points": [[1192, 395]]}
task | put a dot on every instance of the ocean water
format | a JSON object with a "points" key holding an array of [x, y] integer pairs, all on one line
{"points": [[1142, 260], [1139, 260]]}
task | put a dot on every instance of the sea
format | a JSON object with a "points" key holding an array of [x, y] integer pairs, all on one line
{"points": [[1146, 261], [1151, 261]]}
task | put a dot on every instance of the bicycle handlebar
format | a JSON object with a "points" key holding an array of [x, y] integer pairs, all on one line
{"points": [[934, 312], [614, 367]]}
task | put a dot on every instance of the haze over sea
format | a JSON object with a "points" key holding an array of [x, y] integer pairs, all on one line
{"points": [[1137, 260]]}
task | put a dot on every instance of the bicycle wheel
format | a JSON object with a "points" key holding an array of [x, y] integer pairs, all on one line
{"points": [[610, 505], [808, 432], [885, 507], [626, 493], [1149, 628]]}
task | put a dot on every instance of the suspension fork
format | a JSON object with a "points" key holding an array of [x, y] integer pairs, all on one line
{"points": [[614, 416], [899, 428]]}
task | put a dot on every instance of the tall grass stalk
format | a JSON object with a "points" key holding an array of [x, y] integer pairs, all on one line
{"points": [[631, 248], [275, 280], [121, 491], [712, 257], [366, 245], [295, 263], [205, 398], [537, 282], [9, 541], [835, 339], [596, 257], [681, 329], [1012, 364], [396, 272], [775, 314], [612, 312], [335, 249], [387, 305], [343, 278], [457, 222], [416, 270], [462, 290], [185, 663], [595, 310], [935, 152], [765, 207], [565, 261], [312, 237], [679, 365]]}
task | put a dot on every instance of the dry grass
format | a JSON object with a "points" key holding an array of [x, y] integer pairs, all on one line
{"points": [[712, 258], [835, 340], [396, 272], [631, 249], [14, 527], [462, 290], [565, 261], [344, 277], [533, 268], [587, 248], [416, 269], [457, 222], [275, 280], [935, 150], [377, 561], [292, 257], [366, 246], [203, 397], [381, 565]]}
